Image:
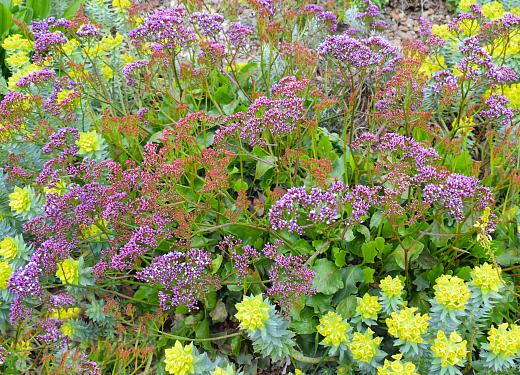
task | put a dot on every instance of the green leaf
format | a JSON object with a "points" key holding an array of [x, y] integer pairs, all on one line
{"points": [[305, 323], [224, 95], [339, 257], [376, 219], [347, 306], [351, 277], [414, 248], [6, 20], [3, 86], [263, 165], [369, 252], [328, 277], [368, 274], [320, 302], [240, 185], [72, 8], [364, 231], [41, 8]]}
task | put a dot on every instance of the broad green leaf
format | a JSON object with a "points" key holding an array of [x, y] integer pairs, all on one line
{"points": [[368, 274], [263, 165], [414, 248], [369, 252], [224, 95], [73, 8], [320, 302], [6, 20], [347, 306], [351, 277], [41, 8], [328, 277]]}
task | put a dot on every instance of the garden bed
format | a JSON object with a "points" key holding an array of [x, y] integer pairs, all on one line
{"points": [[259, 187]]}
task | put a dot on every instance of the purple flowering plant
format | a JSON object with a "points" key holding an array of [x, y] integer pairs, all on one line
{"points": [[180, 175]]}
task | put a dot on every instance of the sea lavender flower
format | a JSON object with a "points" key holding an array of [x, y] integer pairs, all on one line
{"points": [[88, 30], [164, 28], [349, 50], [329, 18], [298, 207], [457, 189], [25, 281], [185, 277], [37, 77], [501, 75], [264, 7], [289, 275], [51, 333], [208, 24], [130, 68], [496, 109], [238, 32]]}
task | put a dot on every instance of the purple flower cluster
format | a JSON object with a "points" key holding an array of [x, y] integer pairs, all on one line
{"points": [[361, 54], [451, 194], [25, 282], [349, 50], [371, 11], [208, 24], [37, 77], [238, 32], [406, 148], [264, 7], [279, 116], [165, 28], [47, 36], [130, 68], [185, 277], [51, 333], [444, 80], [496, 109], [242, 259], [298, 208], [88, 30], [289, 276]]}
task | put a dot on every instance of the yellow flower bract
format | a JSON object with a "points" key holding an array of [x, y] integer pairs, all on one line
{"points": [[89, 142], [368, 307], [252, 313], [451, 292], [451, 351], [408, 326], [68, 271], [493, 10], [391, 286], [504, 342], [20, 200], [487, 278], [364, 346], [8, 248], [397, 367], [333, 328], [179, 359], [5, 274]]}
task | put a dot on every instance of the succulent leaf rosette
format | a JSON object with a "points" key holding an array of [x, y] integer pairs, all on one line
{"points": [[264, 327]]}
